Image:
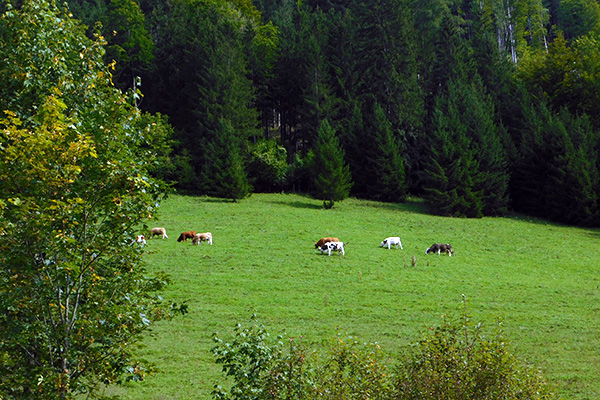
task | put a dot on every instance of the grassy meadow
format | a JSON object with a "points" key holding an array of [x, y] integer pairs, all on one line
{"points": [[542, 279]]}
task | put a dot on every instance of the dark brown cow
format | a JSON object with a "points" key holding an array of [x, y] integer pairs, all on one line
{"points": [[440, 248], [186, 235]]}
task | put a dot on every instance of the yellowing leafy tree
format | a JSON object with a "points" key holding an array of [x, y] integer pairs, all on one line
{"points": [[74, 293]]}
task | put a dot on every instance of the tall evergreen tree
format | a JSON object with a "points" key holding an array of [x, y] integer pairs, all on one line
{"points": [[556, 174], [289, 78], [389, 181], [224, 173], [203, 77], [478, 116], [319, 101], [452, 179], [331, 175], [386, 65], [574, 174]]}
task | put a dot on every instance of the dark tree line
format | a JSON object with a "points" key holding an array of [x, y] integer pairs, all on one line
{"points": [[480, 107]]}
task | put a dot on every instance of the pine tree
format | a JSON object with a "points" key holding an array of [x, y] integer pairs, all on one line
{"points": [[386, 74], [202, 76], [331, 176], [572, 175], [388, 183], [451, 178], [319, 102], [224, 173]]}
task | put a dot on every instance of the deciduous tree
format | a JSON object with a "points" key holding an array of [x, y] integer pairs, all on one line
{"points": [[75, 295]]}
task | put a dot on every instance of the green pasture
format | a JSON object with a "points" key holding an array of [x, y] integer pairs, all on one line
{"points": [[542, 279]]}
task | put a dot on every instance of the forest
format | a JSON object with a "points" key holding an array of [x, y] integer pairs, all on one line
{"points": [[479, 107]]}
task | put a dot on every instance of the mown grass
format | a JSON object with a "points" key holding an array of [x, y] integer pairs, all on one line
{"points": [[541, 279]]}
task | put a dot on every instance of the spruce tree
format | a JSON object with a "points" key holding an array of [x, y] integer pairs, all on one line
{"points": [[529, 167], [386, 74], [331, 176], [451, 177], [478, 115], [224, 173], [388, 182], [569, 189], [203, 77]]}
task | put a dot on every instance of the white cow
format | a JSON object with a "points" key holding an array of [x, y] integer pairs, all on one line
{"points": [[333, 246], [392, 241]]}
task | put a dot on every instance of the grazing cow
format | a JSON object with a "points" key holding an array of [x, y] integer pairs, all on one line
{"points": [[392, 241], [186, 235], [141, 239], [202, 237], [333, 246], [440, 248], [324, 240], [158, 231]]}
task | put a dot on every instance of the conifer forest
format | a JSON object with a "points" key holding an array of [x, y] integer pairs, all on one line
{"points": [[479, 107]]}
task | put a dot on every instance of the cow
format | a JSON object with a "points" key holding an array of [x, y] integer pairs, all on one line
{"points": [[392, 241], [141, 239], [186, 235], [440, 248], [333, 246], [158, 231], [324, 240], [202, 237]]}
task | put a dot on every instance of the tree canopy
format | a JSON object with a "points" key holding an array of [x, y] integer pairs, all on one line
{"points": [[378, 72]]}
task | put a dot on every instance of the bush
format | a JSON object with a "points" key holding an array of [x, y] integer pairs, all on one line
{"points": [[452, 361], [457, 361]]}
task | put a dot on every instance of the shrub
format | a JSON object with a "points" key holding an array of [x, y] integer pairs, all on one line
{"points": [[457, 361], [453, 361]]}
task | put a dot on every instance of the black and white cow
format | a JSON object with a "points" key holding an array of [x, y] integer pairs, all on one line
{"points": [[333, 246], [440, 248], [391, 241]]}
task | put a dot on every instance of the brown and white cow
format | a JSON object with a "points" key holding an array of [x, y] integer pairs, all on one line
{"points": [[202, 237], [324, 240], [440, 248], [141, 239]]}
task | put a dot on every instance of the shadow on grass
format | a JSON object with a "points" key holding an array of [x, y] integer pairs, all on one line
{"points": [[299, 204], [204, 199], [412, 205], [215, 200]]}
